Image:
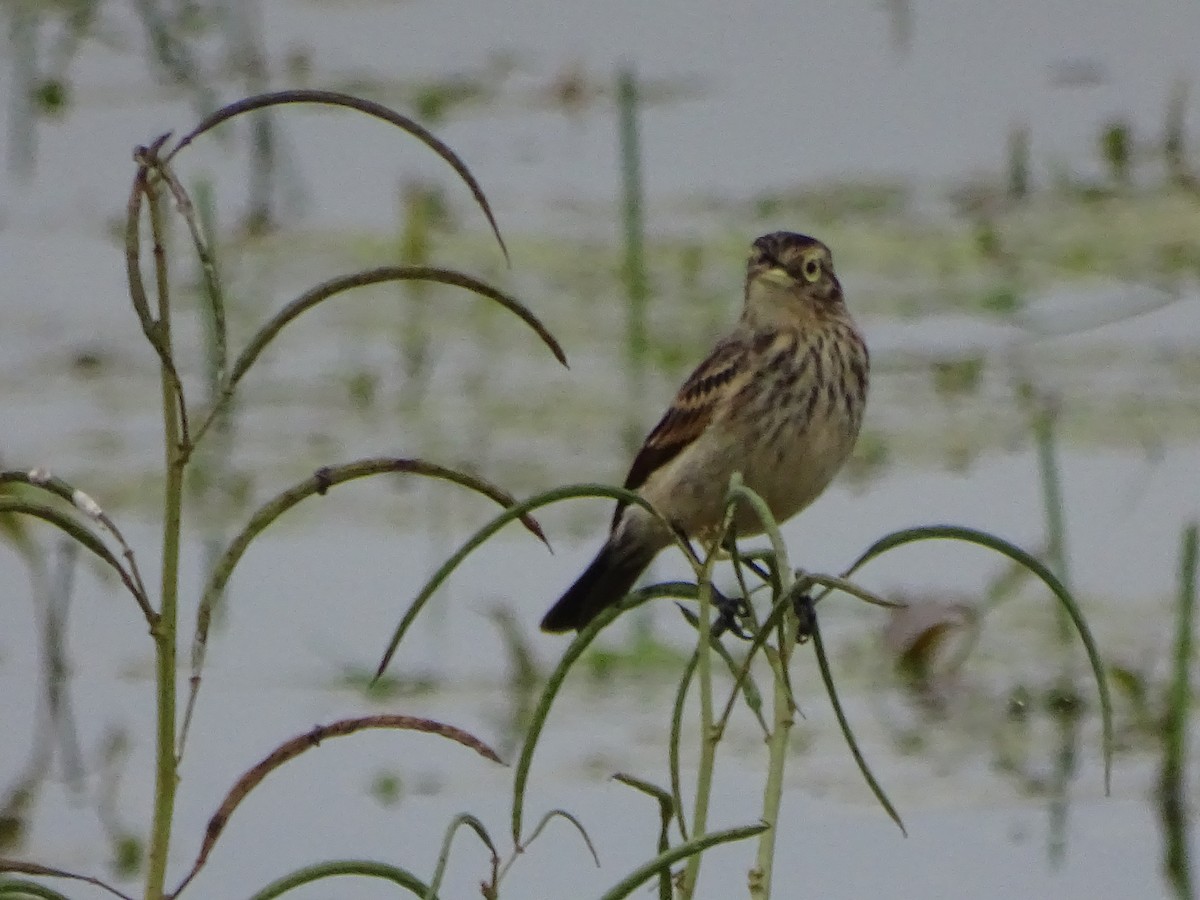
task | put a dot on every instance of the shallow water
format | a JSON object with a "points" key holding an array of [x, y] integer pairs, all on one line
{"points": [[744, 105]]}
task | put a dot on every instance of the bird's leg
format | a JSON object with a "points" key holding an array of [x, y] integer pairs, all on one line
{"points": [[731, 611]]}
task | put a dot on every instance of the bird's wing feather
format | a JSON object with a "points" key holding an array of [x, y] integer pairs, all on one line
{"points": [[692, 411]]}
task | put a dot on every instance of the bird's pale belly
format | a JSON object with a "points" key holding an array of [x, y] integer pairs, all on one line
{"points": [[791, 477], [788, 474]]}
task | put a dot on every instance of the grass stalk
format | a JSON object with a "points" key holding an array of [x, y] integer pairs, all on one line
{"points": [[164, 631], [779, 659], [1172, 787], [709, 734]]}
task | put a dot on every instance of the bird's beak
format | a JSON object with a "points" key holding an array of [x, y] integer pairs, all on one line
{"points": [[777, 275]]}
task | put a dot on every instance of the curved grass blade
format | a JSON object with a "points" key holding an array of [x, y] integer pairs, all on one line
{"points": [[676, 739], [28, 868], [338, 867], [444, 856], [1048, 578], [203, 240], [82, 536], [377, 110], [738, 492], [151, 327], [554, 682], [133, 256], [847, 732], [14, 533], [567, 492], [380, 275], [664, 861], [846, 586], [19, 889], [292, 748], [40, 479], [160, 332], [22, 889], [665, 802], [665, 813], [318, 484], [562, 814]]}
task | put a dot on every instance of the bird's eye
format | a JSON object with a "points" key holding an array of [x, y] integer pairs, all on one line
{"points": [[812, 269]]}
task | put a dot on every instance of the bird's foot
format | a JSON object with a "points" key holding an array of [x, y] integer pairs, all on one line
{"points": [[730, 613], [806, 616]]}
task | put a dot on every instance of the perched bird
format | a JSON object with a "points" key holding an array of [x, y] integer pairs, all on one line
{"points": [[779, 400]]}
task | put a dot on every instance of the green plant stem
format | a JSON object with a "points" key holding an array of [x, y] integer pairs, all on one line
{"points": [[709, 736], [777, 744], [1173, 780], [165, 771]]}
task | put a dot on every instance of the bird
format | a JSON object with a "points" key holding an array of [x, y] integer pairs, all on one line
{"points": [[780, 399]]}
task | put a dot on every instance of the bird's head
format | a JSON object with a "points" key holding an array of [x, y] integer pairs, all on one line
{"points": [[789, 275]]}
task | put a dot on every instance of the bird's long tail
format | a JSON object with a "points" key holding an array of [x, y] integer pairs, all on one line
{"points": [[605, 582]]}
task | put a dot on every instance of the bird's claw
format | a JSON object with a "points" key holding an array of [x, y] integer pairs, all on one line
{"points": [[730, 612], [806, 617]]}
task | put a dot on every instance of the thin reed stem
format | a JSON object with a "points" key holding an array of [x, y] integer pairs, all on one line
{"points": [[709, 734], [777, 744], [1173, 797], [164, 632]]}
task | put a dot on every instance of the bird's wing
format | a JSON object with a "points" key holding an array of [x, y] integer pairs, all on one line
{"points": [[692, 411]]}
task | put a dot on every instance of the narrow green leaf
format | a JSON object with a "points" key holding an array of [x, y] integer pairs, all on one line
{"points": [[19, 889], [338, 867], [458, 822], [554, 682], [567, 492], [79, 533], [664, 861], [377, 110], [381, 275], [665, 812], [848, 732], [675, 741], [318, 484], [22, 867], [563, 814], [990, 541]]}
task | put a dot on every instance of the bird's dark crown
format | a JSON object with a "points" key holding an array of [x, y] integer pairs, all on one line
{"points": [[784, 247], [785, 250]]}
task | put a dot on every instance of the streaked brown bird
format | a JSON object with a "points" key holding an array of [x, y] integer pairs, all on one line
{"points": [[779, 400]]}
